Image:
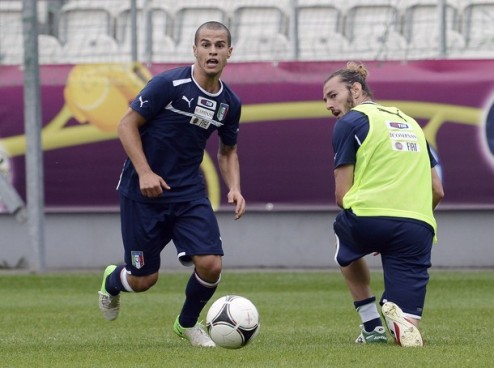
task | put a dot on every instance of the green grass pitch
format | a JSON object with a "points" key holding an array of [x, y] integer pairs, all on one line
{"points": [[307, 320]]}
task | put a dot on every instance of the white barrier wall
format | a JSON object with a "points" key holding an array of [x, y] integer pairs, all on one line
{"points": [[259, 240]]}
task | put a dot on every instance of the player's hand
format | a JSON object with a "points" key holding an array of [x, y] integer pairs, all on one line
{"points": [[152, 185], [236, 198]]}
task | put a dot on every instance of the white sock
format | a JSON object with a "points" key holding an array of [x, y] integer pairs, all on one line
{"points": [[125, 282]]}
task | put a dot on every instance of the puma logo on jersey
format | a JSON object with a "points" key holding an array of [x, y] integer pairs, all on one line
{"points": [[142, 101], [187, 100]]}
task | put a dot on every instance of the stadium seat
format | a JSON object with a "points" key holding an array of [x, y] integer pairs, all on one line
{"points": [[89, 18], [93, 49], [422, 47], [260, 33], [273, 48], [160, 21], [264, 30], [390, 45], [373, 30], [187, 19], [105, 4], [283, 5], [319, 34], [164, 49], [421, 29], [10, 19], [477, 28], [10, 32], [50, 49]]}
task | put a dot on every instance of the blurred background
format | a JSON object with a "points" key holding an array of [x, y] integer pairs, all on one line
{"points": [[69, 68], [75, 31]]}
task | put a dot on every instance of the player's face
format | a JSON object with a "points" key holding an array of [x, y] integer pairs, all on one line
{"points": [[337, 97], [212, 51]]}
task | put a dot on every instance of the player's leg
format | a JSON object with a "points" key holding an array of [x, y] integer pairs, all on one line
{"points": [[197, 293], [143, 244], [357, 278], [109, 303], [200, 288], [197, 238], [349, 252], [405, 266]]}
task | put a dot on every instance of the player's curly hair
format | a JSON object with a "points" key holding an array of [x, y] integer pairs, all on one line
{"points": [[354, 72]]}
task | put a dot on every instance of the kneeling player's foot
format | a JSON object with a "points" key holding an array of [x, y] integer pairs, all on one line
{"points": [[404, 332], [196, 335], [377, 336], [109, 305]]}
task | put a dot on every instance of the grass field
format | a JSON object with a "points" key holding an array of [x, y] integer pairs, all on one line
{"points": [[307, 320]]}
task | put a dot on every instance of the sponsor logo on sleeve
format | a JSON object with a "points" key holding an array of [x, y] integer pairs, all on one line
{"points": [[142, 102]]}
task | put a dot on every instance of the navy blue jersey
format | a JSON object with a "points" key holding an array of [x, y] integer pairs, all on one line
{"points": [[180, 117], [349, 133]]}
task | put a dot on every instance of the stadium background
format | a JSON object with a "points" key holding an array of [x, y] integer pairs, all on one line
{"points": [[435, 63]]}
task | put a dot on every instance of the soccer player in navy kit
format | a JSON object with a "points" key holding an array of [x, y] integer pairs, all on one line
{"points": [[162, 192], [387, 186]]}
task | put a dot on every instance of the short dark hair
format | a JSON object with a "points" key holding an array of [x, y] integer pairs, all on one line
{"points": [[217, 26]]}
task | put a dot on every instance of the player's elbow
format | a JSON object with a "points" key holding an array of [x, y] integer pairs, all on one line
{"points": [[123, 127], [339, 199], [437, 189], [437, 196], [225, 151], [130, 123]]}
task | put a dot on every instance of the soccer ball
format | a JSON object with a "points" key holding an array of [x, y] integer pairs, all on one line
{"points": [[232, 321]]}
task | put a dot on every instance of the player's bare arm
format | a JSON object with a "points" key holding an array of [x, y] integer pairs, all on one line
{"points": [[151, 185], [343, 180], [230, 172], [437, 188]]}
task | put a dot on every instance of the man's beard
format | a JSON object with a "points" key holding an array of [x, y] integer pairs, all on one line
{"points": [[349, 104]]}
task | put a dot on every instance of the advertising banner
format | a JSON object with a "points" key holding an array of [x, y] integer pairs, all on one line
{"points": [[285, 151]]}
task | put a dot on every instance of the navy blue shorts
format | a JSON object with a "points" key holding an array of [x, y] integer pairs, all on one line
{"points": [[148, 227], [405, 248]]}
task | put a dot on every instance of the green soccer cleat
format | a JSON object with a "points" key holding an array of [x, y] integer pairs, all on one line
{"points": [[404, 332], [196, 335], [378, 336], [109, 305]]}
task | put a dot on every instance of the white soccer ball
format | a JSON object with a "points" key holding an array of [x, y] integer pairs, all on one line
{"points": [[232, 321]]}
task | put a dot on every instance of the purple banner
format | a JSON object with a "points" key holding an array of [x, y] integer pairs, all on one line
{"points": [[285, 136]]}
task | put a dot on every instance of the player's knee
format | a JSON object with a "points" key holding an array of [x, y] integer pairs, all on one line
{"points": [[214, 274], [143, 283], [211, 275], [208, 268]]}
